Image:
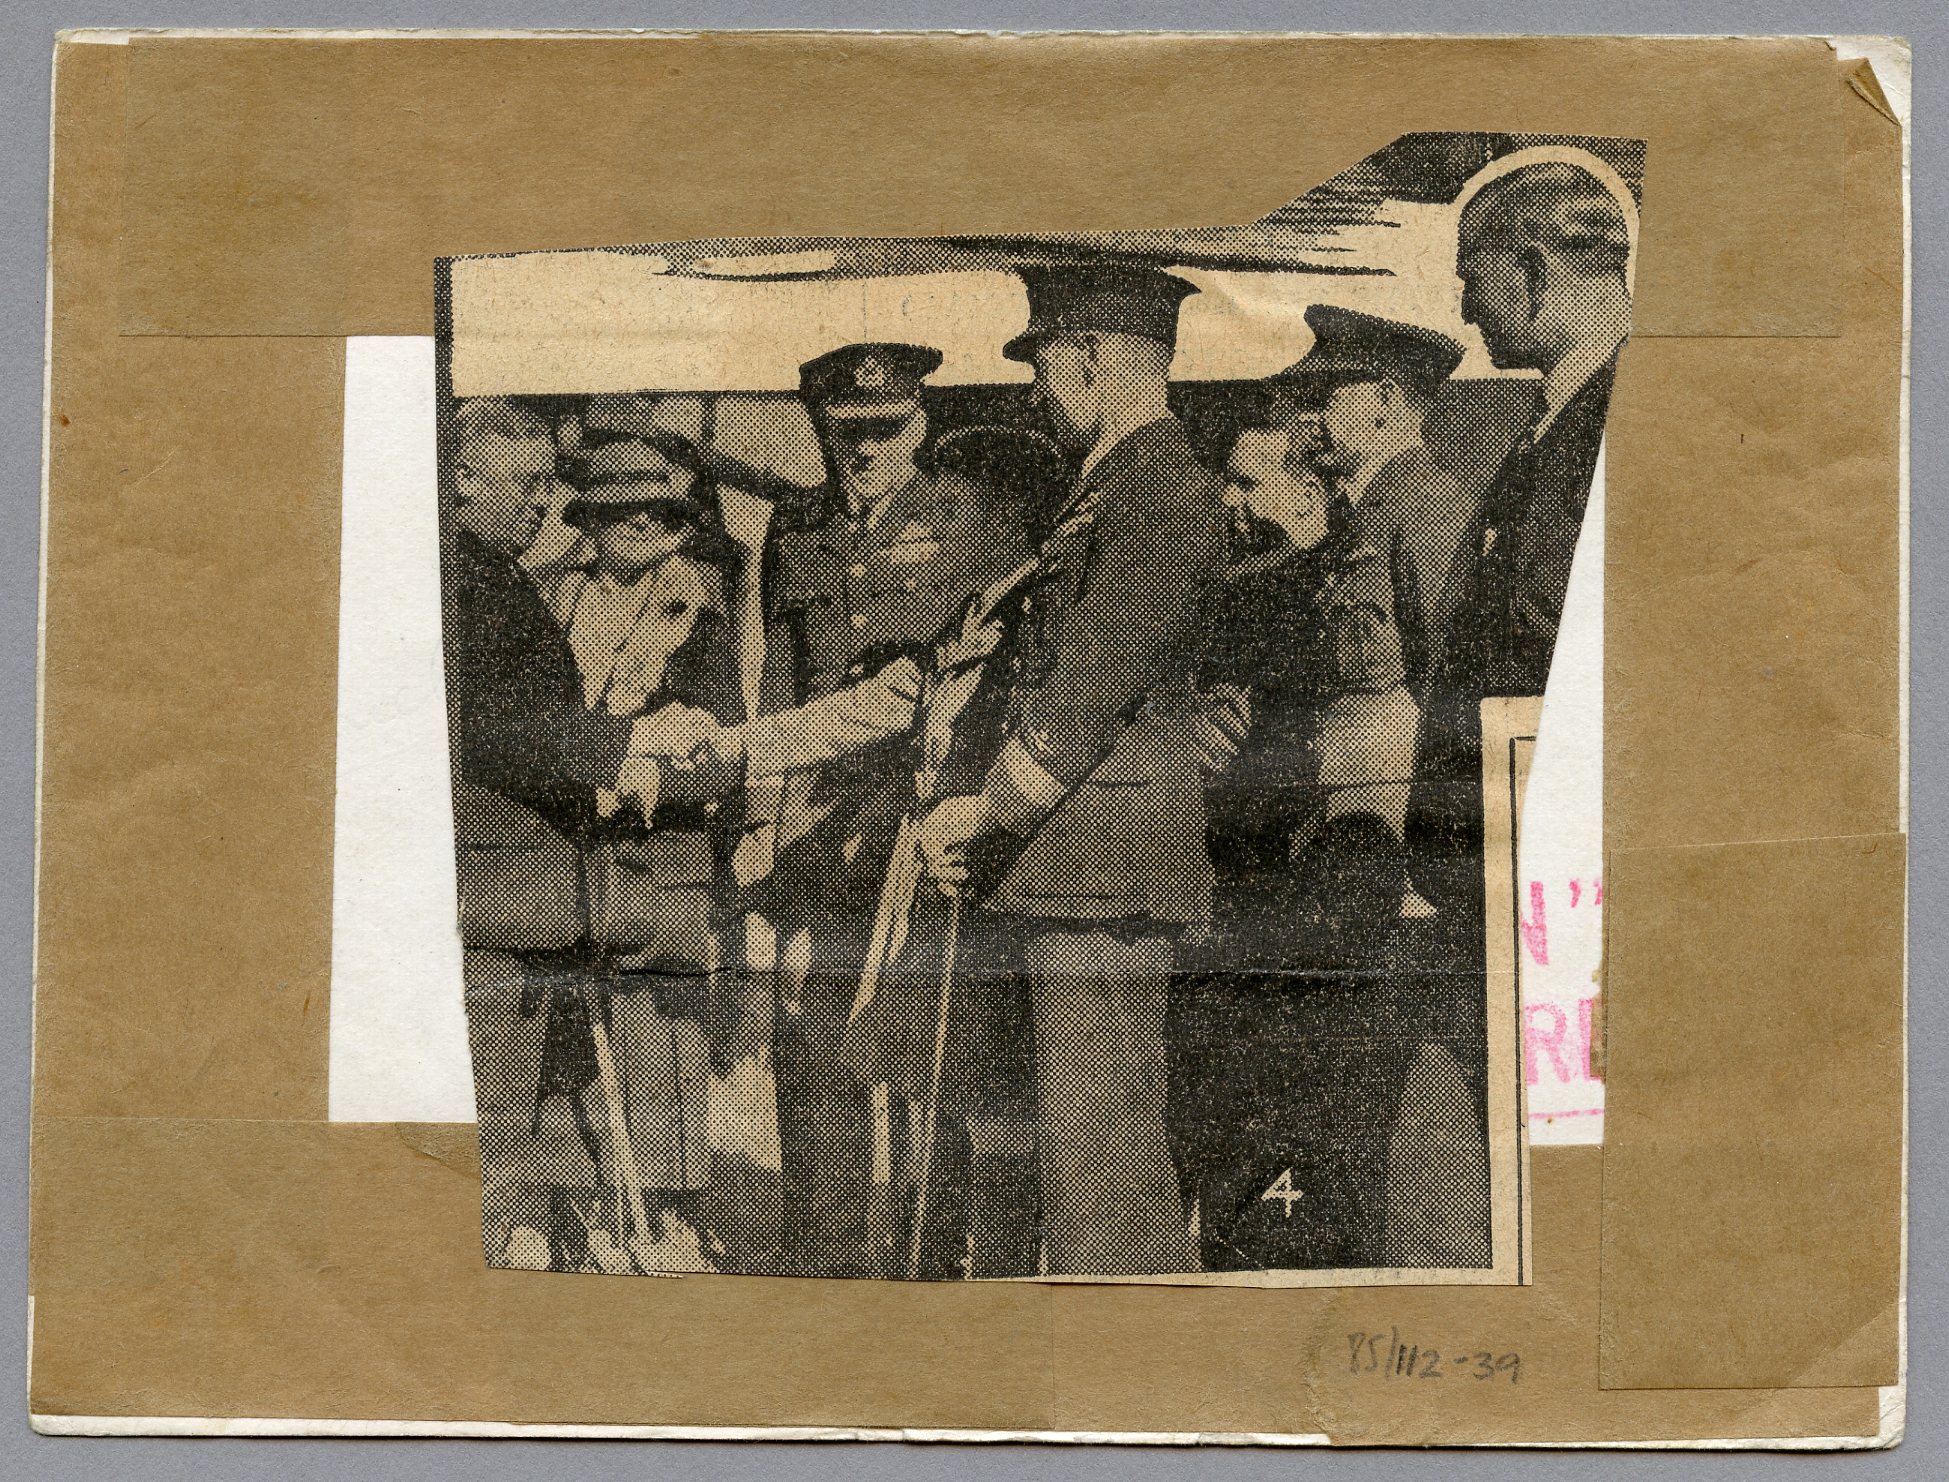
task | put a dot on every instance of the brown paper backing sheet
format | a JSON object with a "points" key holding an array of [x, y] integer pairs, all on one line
{"points": [[203, 1244]]}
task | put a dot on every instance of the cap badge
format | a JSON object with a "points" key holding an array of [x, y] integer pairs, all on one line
{"points": [[871, 375]]}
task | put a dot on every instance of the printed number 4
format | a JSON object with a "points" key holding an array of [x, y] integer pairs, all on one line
{"points": [[1282, 1189]]}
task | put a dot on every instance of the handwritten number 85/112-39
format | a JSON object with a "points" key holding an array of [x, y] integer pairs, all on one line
{"points": [[1384, 1354]]}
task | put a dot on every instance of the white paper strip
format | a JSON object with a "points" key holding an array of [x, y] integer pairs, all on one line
{"points": [[398, 1040]]}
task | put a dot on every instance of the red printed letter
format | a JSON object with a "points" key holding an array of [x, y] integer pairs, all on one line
{"points": [[1535, 936], [1549, 1039]]}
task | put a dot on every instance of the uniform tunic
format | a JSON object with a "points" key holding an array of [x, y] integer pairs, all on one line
{"points": [[1417, 517], [1099, 774], [1102, 858], [1298, 634], [1285, 1054], [845, 597]]}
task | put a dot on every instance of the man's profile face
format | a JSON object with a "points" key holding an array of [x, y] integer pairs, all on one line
{"points": [[1353, 414], [1261, 480], [1065, 389], [1496, 299], [502, 486], [874, 456]]}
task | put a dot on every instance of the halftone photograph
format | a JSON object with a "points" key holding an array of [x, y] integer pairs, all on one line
{"points": [[968, 754], [1057, 737]]}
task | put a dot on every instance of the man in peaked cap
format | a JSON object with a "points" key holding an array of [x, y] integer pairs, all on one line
{"points": [[888, 562], [1083, 838], [1371, 382]]}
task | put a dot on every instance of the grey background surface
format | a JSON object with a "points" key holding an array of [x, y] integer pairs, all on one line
{"points": [[27, 29]]}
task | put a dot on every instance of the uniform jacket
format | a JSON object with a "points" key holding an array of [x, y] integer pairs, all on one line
{"points": [[1523, 542], [1298, 631], [1097, 777], [1416, 514], [845, 597], [1313, 639]]}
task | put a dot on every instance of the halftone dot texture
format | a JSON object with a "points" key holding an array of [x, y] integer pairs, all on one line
{"points": [[1253, 1040]]}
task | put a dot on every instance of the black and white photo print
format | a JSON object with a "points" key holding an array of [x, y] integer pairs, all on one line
{"points": [[968, 753]]}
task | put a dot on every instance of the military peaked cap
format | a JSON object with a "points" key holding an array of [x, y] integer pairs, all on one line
{"points": [[1349, 346], [867, 382], [1106, 298]]}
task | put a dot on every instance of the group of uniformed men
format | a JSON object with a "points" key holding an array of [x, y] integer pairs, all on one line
{"points": [[1179, 771]]}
